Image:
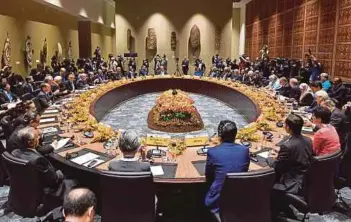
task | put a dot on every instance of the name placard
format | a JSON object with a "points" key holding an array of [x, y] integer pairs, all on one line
{"points": [[157, 140], [196, 140]]}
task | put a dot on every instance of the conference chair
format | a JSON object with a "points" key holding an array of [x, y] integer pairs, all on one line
{"points": [[7, 127], [3, 173], [25, 190], [127, 197], [344, 176], [26, 97], [318, 189], [246, 197], [37, 104]]}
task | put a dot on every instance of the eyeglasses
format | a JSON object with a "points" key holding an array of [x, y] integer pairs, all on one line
{"points": [[71, 155]]}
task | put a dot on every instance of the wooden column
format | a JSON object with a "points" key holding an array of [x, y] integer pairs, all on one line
{"points": [[84, 37]]}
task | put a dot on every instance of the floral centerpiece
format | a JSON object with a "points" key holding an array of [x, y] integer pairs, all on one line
{"points": [[175, 112]]}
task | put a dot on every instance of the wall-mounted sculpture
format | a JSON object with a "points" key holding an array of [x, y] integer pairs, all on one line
{"points": [[69, 51], [151, 39], [194, 42], [129, 40], [6, 52], [217, 39], [173, 41], [44, 52], [58, 52], [29, 52]]}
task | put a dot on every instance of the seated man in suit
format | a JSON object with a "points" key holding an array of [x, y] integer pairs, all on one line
{"points": [[293, 160], [82, 82], [70, 84], [29, 86], [6, 96], [55, 187], [80, 205], [227, 157], [44, 97], [129, 145], [285, 87], [338, 91]]}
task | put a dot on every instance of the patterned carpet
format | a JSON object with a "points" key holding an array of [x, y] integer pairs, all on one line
{"points": [[133, 113]]}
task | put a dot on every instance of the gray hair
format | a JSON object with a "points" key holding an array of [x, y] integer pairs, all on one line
{"points": [[26, 135], [294, 81], [329, 103], [48, 78], [129, 141], [323, 94], [57, 78]]}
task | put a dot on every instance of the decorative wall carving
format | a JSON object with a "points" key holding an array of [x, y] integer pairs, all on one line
{"points": [[195, 41], [44, 52], [69, 51], [217, 39], [173, 41], [129, 39], [58, 52], [6, 52], [29, 52], [151, 40]]}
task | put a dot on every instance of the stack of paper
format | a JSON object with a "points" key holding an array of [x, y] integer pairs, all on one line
{"points": [[85, 158], [59, 144], [157, 170], [47, 120]]}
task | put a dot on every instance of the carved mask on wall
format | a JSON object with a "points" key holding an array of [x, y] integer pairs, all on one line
{"points": [[129, 39], [151, 39]]}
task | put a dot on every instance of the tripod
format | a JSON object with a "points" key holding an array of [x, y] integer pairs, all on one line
{"points": [[177, 72]]}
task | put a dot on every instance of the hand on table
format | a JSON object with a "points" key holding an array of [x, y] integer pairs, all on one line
{"points": [[142, 151]]}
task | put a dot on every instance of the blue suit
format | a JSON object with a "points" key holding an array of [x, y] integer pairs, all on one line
{"points": [[223, 159]]}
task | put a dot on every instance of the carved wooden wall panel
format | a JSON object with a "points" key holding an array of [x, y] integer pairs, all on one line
{"points": [[291, 27]]}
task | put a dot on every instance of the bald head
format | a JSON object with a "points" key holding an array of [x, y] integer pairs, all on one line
{"points": [[79, 202]]}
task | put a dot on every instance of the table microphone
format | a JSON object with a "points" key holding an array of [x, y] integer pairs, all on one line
{"points": [[204, 149]]}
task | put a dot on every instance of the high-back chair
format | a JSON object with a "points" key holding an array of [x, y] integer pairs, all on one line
{"points": [[127, 196]]}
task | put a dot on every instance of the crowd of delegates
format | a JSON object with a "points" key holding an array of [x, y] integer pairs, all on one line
{"points": [[307, 85]]}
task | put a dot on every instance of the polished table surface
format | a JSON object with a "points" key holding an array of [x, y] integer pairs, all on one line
{"points": [[185, 173]]}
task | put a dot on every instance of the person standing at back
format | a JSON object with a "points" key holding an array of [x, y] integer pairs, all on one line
{"points": [[227, 157]]}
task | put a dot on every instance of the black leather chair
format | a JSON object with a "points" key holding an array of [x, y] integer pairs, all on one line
{"points": [[345, 163], [3, 173], [36, 92], [27, 96], [37, 104], [318, 188], [246, 197], [25, 188], [6, 124], [127, 197]]}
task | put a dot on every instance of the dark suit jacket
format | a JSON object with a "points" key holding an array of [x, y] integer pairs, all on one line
{"points": [[48, 176], [69, 86], [5, 99], [52, 181], [292, 163], [27, 89], [307, 100], [295, 93], [285, 91], [44, 100], [129, 166], [338, 92], [223, 159]]}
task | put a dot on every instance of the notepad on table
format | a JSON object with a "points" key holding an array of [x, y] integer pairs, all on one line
{"points": [[85, 158], [59, 144], [157, 170], [47, 120], [264, 154], [49, 130], [50, 111]]}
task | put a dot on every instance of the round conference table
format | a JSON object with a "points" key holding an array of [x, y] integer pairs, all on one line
{"points": [[185, 170]]}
